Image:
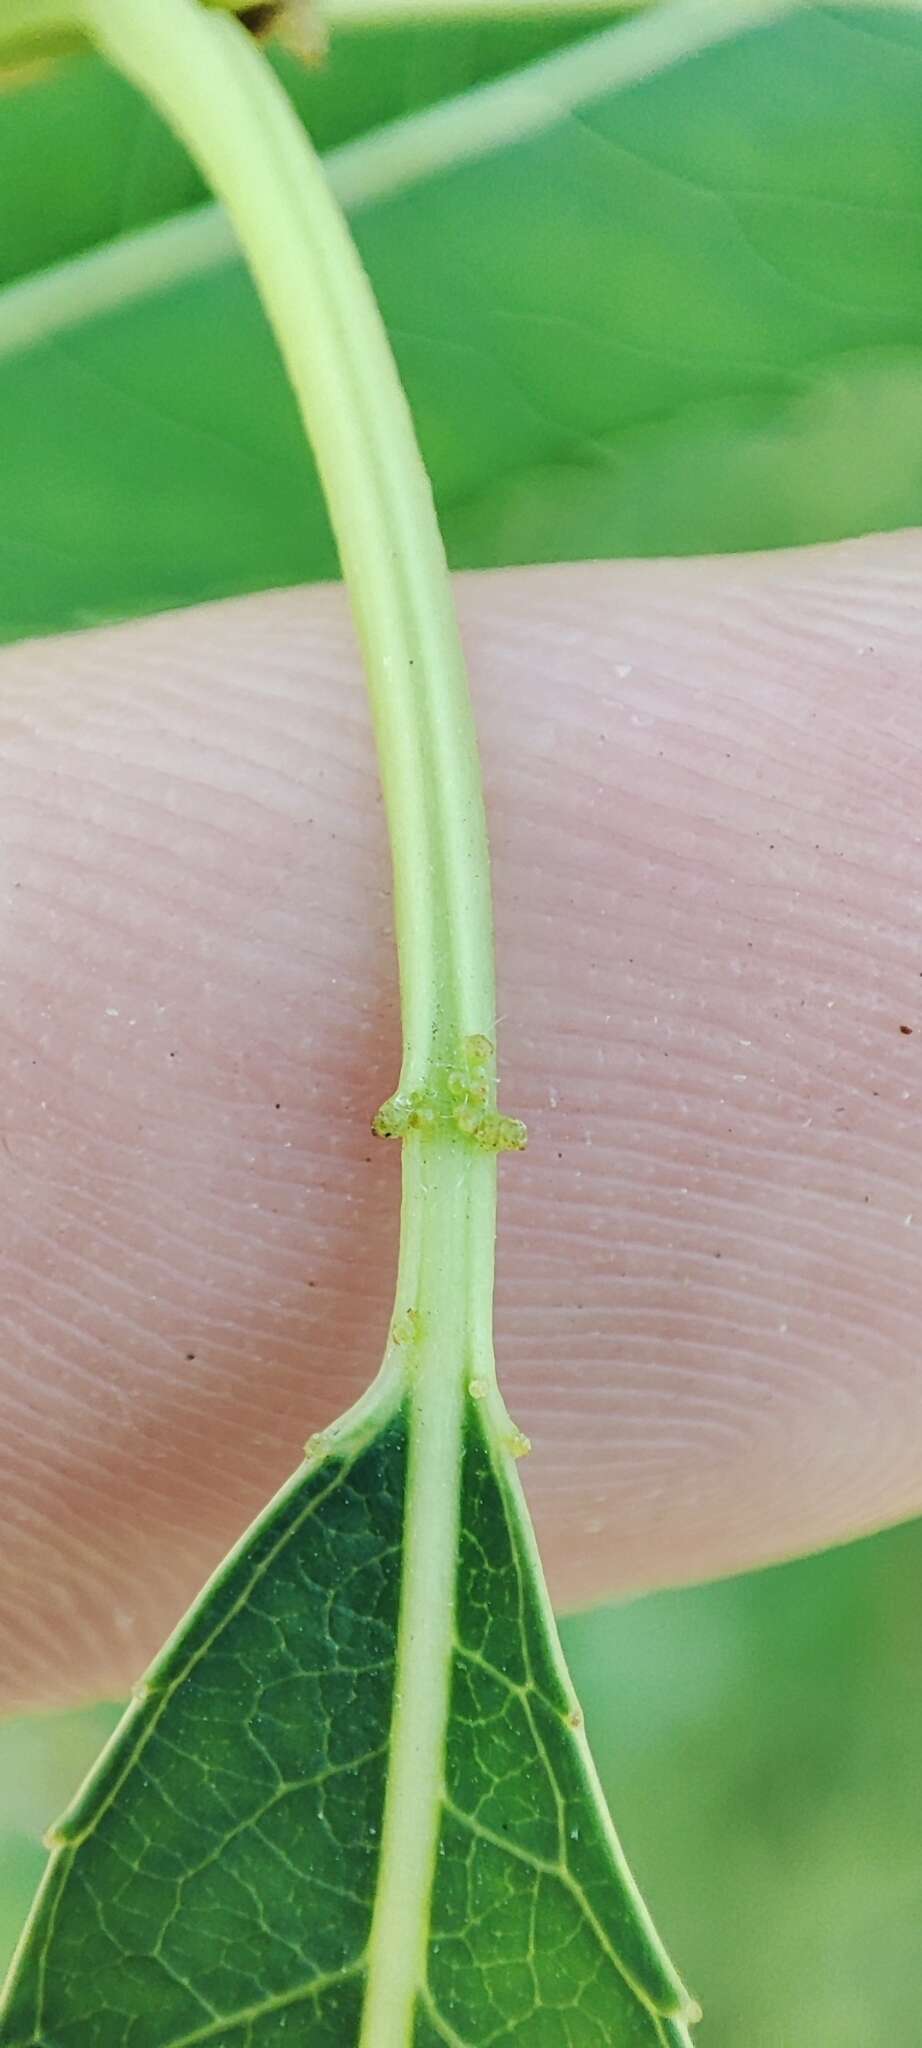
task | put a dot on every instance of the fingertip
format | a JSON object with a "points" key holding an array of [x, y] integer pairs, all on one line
{"points": [[702, 782]]}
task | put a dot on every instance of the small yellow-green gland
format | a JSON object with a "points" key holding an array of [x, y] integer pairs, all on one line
{"points": [[513, 1134], [468, 1088], [408, 1329], [390, 1121], [468, 1120], [492, 1132], [403, 1113]]}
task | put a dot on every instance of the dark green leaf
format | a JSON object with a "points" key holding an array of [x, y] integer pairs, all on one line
{"points": [[214, 1882]]}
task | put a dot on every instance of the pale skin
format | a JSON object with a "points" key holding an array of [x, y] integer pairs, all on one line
{"points": [[704, 792]]}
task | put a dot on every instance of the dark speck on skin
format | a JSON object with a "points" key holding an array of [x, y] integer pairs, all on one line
{"points": [[906, 1030]]}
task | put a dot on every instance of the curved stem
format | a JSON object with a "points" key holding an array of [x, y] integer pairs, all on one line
{"points": [[219, 94]]}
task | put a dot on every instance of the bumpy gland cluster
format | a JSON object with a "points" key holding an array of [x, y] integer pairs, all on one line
{"points": [[465, 1103]]}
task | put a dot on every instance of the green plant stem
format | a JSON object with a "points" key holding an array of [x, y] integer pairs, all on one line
{"points": [[216, 90], [446, 1248]]}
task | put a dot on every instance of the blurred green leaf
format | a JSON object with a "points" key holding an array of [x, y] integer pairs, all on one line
{"points": [[688, 316], [88, 158]]}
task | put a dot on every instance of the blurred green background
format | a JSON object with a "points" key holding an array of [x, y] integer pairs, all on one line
{"points": [[681, 317], [687, 316]]}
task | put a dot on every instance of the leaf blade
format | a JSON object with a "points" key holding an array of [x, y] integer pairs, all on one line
{"points": [[216, 1877], [558, 1859], [235, 1680]]}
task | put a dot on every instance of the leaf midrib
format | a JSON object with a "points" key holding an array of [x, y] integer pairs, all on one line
{"points": [[447, 1187]]}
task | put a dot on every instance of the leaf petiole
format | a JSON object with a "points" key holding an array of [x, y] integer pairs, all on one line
{"points": [[214, 88]]}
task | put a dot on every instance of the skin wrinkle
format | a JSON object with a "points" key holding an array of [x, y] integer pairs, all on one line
{"points": [[702, 781]]}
